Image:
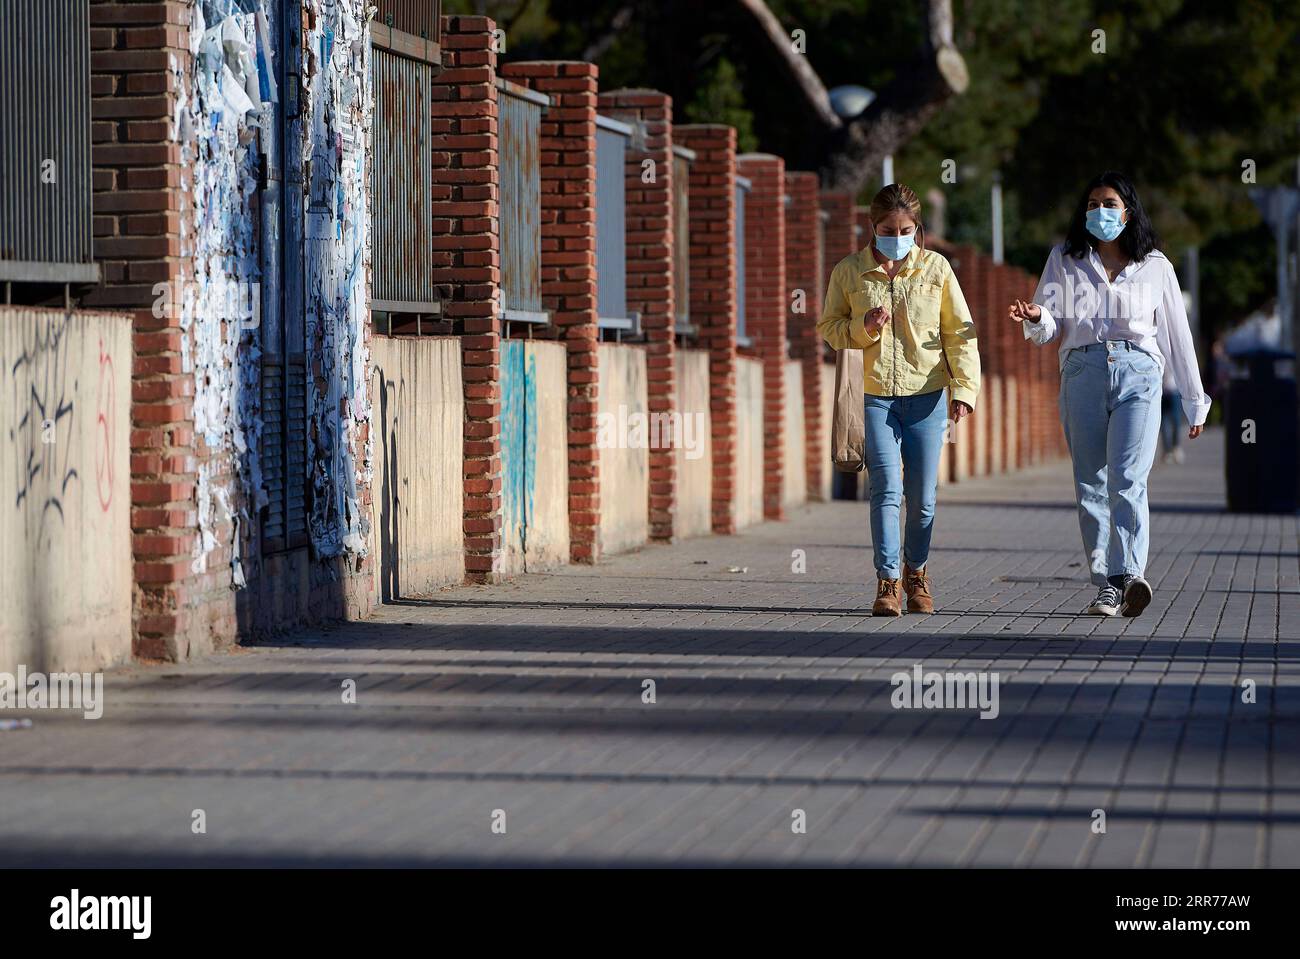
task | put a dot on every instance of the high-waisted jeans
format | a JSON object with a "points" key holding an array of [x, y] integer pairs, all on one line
{"points": [[1110, 409], [904, 439]]}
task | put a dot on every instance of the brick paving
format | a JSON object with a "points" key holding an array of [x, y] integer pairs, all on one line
{"points": [[772, 695]]}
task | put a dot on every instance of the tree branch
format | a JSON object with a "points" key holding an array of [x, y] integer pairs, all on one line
{"points": [[796, 66]]}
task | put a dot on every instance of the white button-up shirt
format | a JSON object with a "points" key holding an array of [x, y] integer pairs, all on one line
{"points": [[1144, 306]]}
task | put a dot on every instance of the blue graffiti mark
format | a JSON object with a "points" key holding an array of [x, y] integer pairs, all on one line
{"points": [[518, 437], [530, 438]]}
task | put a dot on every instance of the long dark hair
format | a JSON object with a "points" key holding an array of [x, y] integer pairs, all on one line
{"points": [[1139, 236]]}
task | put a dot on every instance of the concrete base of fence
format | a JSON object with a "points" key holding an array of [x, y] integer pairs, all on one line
{"points": [[828, 416], [749, 441], [623, 447], [534, 455], [694, 506], [65, 523], [418, 492], [794, 486]]}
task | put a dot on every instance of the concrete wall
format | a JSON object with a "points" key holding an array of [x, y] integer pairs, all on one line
{"points": [[534, 455], [828, 417], [419, 412], [623, 451], [794, 485], [65, 490], [694, 469], [749, 441]]}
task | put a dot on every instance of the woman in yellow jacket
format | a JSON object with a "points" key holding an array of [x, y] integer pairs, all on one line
{"points": [[900, 304]]}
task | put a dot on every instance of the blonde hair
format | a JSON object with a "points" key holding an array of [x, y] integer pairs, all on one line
{"points": [[898, 198]]}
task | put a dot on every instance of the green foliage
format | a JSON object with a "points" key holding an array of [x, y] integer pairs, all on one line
{"points": [[1184, 92], [720, 99]]}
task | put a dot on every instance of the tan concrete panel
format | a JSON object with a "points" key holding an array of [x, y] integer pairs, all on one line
{"points": [[794, 483], [828, 415], [695, 451], [65, 490], [624, 451], [535, 455], [749, 441], [418, 489]]}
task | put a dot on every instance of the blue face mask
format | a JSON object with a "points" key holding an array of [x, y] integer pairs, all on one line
{"points": [[895, 247], [1105, 223]]}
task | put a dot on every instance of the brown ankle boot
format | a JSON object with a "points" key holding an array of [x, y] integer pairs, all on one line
{"points": [[917, 586], [886, 603]]}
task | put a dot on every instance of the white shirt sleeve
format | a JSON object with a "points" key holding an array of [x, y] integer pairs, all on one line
{"points": [[1175, 339], [1048, 298]]}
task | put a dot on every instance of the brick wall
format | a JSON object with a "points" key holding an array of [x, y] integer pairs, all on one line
{"points": [[137, 208], [713, 295], [766, 306], [805, 286], [650, 288], [568, 159], [467, 264]]}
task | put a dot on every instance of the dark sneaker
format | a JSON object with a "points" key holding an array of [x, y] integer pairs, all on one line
{"points": [[917, 586], [1137, 596], [1107, 603], [886, 603]]}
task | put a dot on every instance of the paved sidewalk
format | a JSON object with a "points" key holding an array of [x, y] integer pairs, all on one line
{"points": [[772, 695]]}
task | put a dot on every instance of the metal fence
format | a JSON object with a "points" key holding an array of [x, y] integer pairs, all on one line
{"points": [[682, 159], [45, 173], [611, 225], [519, 112], [402, 186], [742, 191]]}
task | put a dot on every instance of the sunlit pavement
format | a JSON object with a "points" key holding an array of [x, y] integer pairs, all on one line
{"points": [[523, 705]]}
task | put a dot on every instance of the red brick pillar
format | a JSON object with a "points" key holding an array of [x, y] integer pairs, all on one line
{"points": [[568, 160], [839, 231], [467, 260], [650, 287], [137, 206], [713, 295], [804, 280], [765, 308]]}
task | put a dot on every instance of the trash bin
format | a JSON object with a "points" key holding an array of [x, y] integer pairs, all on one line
{"points": [[1260, 432]]}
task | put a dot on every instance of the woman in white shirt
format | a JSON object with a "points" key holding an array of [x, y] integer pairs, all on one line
{"points": [[1112, 300]]}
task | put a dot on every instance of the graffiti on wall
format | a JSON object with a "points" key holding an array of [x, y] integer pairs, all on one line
{"points": [[41, 411]]}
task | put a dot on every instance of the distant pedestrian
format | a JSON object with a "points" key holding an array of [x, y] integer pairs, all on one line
{"points": [[900, 304], [1171, 420], [1113, 300]]}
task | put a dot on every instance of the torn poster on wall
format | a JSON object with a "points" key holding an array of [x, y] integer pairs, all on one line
{"points": [[221, 122], [218, 115], [336, 130]]}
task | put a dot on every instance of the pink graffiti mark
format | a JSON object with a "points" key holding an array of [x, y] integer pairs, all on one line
{"points": [[105, 425]]}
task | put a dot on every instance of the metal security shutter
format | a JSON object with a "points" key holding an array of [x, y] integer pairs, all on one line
{"points": [[611, 224], [742, 191], [272, 454], [520, 124], [402, 186], [295, 452], [682, 238], [45, 173]]}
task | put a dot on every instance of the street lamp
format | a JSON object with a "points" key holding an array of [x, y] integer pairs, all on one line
{"points": [[849, 102]]}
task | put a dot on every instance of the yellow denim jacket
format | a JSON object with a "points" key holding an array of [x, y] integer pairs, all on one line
{"points": [[929, 341]]}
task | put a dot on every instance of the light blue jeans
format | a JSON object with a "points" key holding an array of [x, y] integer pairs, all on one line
{"points": [[904, 440], [1110, 409]]}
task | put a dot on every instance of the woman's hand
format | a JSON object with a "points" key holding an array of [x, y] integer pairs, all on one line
{"points": [[960, 410], [1195, 431], [1021, 311], [876, 319]]}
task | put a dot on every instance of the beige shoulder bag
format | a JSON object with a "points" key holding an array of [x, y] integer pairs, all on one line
{"points": [[848, 431]]}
